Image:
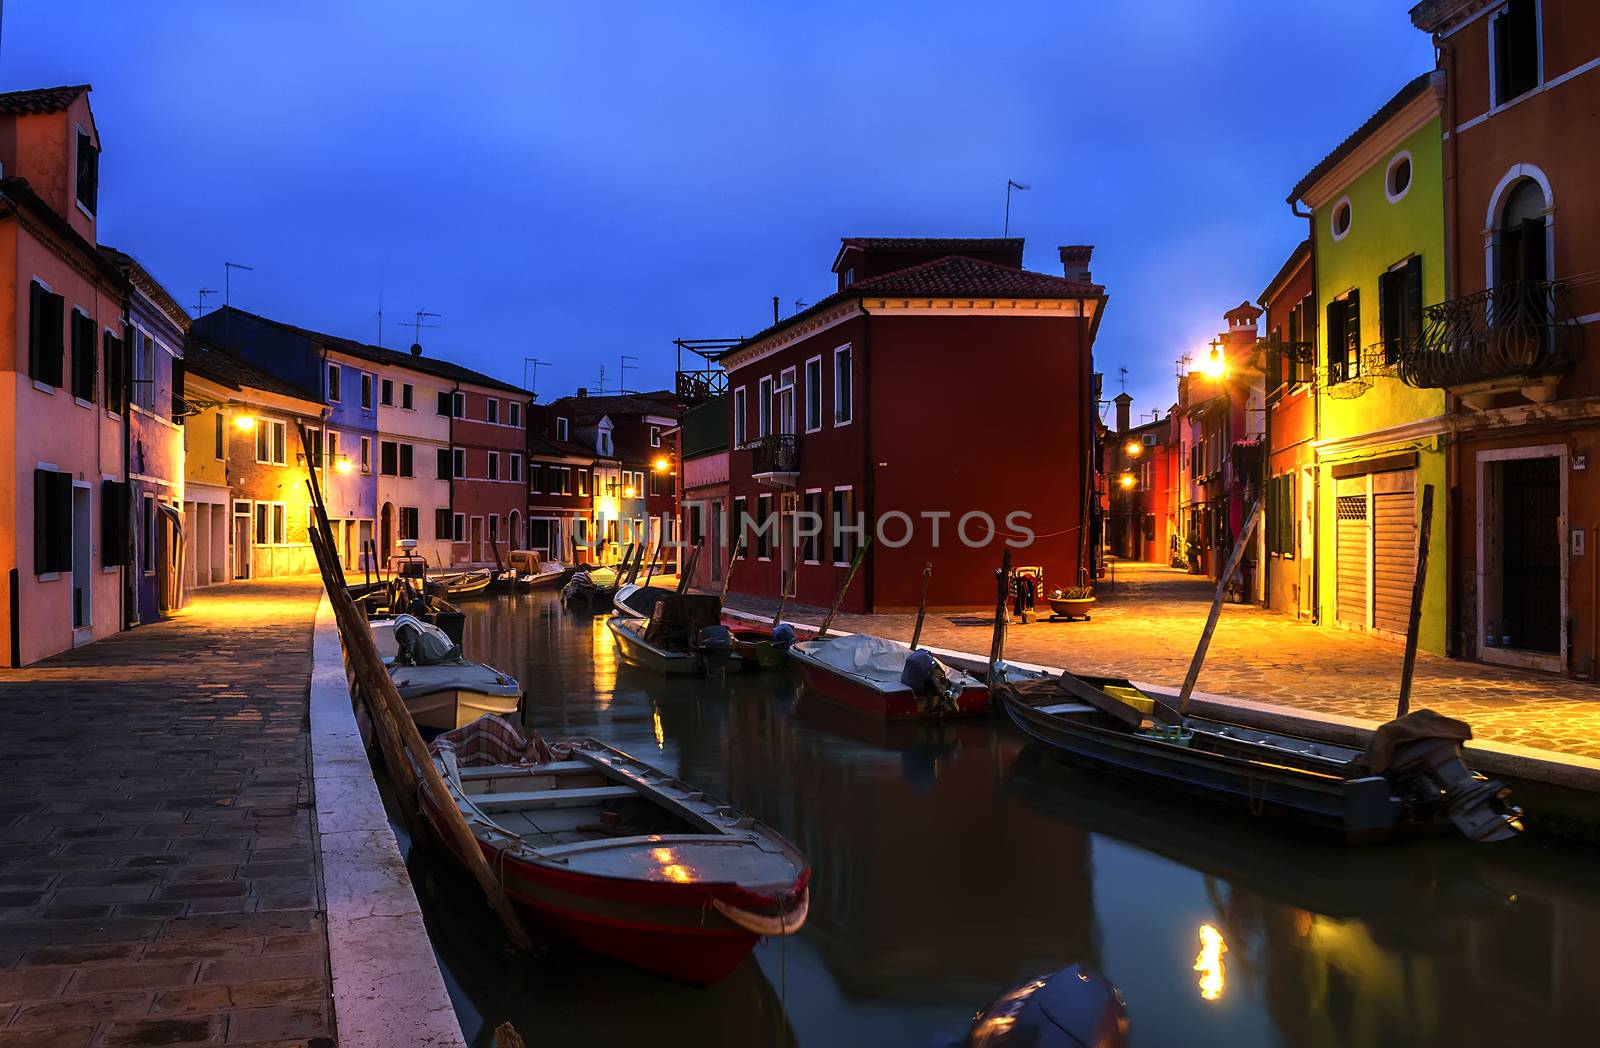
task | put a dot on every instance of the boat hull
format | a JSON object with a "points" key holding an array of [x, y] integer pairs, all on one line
{"points": [[647, 656], [885, 704], [453, 708]]}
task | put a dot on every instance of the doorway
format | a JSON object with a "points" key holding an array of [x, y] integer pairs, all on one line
{"points": [[241, 540], [476, 548], [386, 533], [1521, 560], [716, 540], [82, 578]]}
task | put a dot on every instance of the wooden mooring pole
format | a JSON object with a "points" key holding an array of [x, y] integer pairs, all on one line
{"points": [[1239, 546], [1414, 626], [1002, 592], [922, 605], [844, 587]]}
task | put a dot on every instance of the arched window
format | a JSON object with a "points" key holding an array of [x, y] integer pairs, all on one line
{"points": [[514, 529], [1520, 235]]}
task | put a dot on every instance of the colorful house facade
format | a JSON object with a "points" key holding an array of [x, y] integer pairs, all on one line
{"points": [[66, 544], [702, 436], [488, 488], [560, 506], [1287, 542], [1377, 235]]}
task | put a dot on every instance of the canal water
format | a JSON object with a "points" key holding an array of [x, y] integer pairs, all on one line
{"points": [[951, 861]]}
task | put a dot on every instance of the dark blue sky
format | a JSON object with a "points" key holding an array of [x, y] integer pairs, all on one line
{"points": [[575, 182]]}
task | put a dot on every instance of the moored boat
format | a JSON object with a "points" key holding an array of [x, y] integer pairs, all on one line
{"points": [[618, 857], [590, 588], [1412, 778], [441, 690], [461, 584], [682, 636], [870, 675], [639, 601], [533, 571]]}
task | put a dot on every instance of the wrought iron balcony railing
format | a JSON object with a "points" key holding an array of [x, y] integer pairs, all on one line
{"points": [[1521, 328], [701, 385], [777, 453]]}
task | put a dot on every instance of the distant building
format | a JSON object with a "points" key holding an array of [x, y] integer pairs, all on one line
{"points": [[940, 378], [560, 506], [1287, 543], [1139, 466], [67, 546], [703, 483]]}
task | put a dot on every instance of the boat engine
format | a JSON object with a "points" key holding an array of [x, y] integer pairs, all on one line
{"points": [[1434, 773], [420, 644], [1072, 1008], [782, 636], [715, 645]]}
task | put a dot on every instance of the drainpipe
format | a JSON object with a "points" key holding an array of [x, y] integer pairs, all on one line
{"points": [[1266, 470], [1316, 425], [869, 566], [130, 566], [1446, 50]]}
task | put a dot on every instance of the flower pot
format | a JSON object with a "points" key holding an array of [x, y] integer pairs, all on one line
{"points": [[1071, 607]]}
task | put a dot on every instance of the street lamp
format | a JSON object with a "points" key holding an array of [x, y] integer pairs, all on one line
{"points": [[244, 423], [1134, 448], [1214, 366], [1127, 480], [662, 464]]}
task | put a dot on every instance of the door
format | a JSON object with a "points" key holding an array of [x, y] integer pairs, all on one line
{"points": [[242, 538], [716, 541], [363, 539], [82, 576], [386, 533], [1350, 553], [790, 503], [477, 540], [539, 538], [1530, 511], [1394, 548]]}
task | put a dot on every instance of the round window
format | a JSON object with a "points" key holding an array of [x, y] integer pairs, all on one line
{"points": [[1341, 218], [1398, 178]]}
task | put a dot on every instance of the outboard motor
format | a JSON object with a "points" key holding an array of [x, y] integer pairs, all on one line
{"points": [[783, 636], [918, 672], [1072, 1008], [715, 645], [1435, 770], [421, 644]]}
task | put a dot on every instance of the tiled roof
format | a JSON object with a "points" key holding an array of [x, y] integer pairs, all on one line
{"points": [[142, 279], [542, 445], [1295, 259], [18, 191], [1348, 146], [391, 357], [949, 245], [593, 408], [202, 358], [40, 100]]}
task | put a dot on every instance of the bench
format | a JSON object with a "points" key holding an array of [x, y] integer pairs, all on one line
{"points": [[487, 802]]}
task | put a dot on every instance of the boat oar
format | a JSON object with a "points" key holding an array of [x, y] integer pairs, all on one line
{"points": [[922, 605], [1239, 546], [844, 587], [997, 644], [1414, 626]]}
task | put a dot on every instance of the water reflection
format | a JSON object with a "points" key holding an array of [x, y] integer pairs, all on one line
{"points": [[952, 861]]}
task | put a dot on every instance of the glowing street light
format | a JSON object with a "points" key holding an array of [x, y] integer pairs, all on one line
{"points": [[1213, 366], [244, 423], [1127, 480], [662, 464], [341, 465], [1134, 448]]}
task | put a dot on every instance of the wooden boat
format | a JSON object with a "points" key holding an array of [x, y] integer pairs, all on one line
{"points": [[533, 571], [629, 862], [590, 588], [449, 695], [863, 673], [461, 584], [1110, 725], [639, 601], [673, 649]]}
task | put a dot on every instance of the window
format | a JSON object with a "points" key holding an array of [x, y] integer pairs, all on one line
{"points": [[443, 463], [85, 357], [843, 386], [535, 477], [366, 454], [494, 528], [407, 453], [408, 522], [1514, 43], [1339, 218], [1344, 337], [116, 354], [562, 429], [219, 449], [1519, 246], [741, 525], [766, 524], [583, 482], [444, 403], [1397, 179], [389, 458], [407, 396], [515, 414], [271, 522], [603, 441], [52, 521], [441, 523], [842, 526], [813, 394], [332, 449], [1302, 333], [176, 405], [655, 436], [1400, 307], [493, 470], [458, 463], [764, 407], [458, 527], [272, 441], [88, 190], [314, 439], [1280, 515], [46, 317], [147, 535], [335, 385], [491, 409], [458, 405], [366, 391], [738, 418], [144, 370], [811, 543], [386, 393], [516, 468]]}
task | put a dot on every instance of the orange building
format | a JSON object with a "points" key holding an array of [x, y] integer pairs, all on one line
{"points": [[1288, 539]]}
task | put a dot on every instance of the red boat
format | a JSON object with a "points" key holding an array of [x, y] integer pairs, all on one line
{"points": [[863, 673], [627, 861]]}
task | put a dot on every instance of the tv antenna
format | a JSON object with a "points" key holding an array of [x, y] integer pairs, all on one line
{"points": [[1183, 363], [1122, 379], [799, 304], [602, 387], [227, 279], [534, 363], [200, 303], [419, 325], [1010, 185], [622, 371]]}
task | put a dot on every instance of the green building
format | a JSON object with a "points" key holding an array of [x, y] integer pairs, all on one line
{"points": [[1377, 235]]}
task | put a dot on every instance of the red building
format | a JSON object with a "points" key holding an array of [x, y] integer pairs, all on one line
{"points": [[1287, 544], [488, 492], [939, 400], [1139, 466], [559, 504]]}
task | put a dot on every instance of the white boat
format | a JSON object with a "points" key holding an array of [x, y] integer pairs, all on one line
{"points": [[441, 689], [685, 635]]}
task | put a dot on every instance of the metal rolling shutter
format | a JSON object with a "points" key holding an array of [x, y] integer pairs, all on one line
{"points": [[1350, 535], [1394, 558]]}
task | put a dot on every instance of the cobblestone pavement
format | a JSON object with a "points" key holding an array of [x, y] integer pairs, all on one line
{"points": [[158, 878], [1147, 626]]}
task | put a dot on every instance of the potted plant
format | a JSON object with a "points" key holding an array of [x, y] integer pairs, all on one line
{"points": [[1073, 603]]}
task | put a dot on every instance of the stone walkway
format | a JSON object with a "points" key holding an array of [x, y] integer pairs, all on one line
{"points": [[1146, 628], [158, 875]]}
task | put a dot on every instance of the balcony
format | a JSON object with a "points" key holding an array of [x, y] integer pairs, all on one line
{"points": [[697, 386], [775, 459], [1516, 338]]}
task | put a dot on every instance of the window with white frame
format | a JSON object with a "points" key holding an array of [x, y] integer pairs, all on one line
{"points": [[366, 391], [764, 406], [458, 463], [408, 395], [335, 383], [491, 409], [271, 524], [458, 405], [738, 417], [493, 472], [272, 442], [366, 454], [843, 385], [514, 414], [515, 467], [1514, 50], [842, 526], [386, 393], [813, 394], [562, 428], [655, 436], [144, 370]]}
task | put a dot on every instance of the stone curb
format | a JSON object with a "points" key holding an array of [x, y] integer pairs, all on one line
{"points": [[387, 987]]}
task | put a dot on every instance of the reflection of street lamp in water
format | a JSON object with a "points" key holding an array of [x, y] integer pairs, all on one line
{"points": [[1209, 963]]}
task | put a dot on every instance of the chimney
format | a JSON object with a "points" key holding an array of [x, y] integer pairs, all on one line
{"points": [[583, 391], [1075, 262], [1123, 402]]}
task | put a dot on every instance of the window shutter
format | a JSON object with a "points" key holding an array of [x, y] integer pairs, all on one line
{"points": [[1411, 309], [444, 466], [177, 390], [114, 496], [42, 486], [1352, 334], [1335, 341], [1533, 267]]}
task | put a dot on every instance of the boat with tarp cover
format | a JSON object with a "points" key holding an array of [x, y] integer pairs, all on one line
{"points": [[620, 858], [886, 679]]}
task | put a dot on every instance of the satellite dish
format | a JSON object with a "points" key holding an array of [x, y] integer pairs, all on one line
{"points": [[416, 349]]}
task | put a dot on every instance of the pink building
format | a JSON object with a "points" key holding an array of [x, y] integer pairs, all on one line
{"points": [[64, 384]]}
